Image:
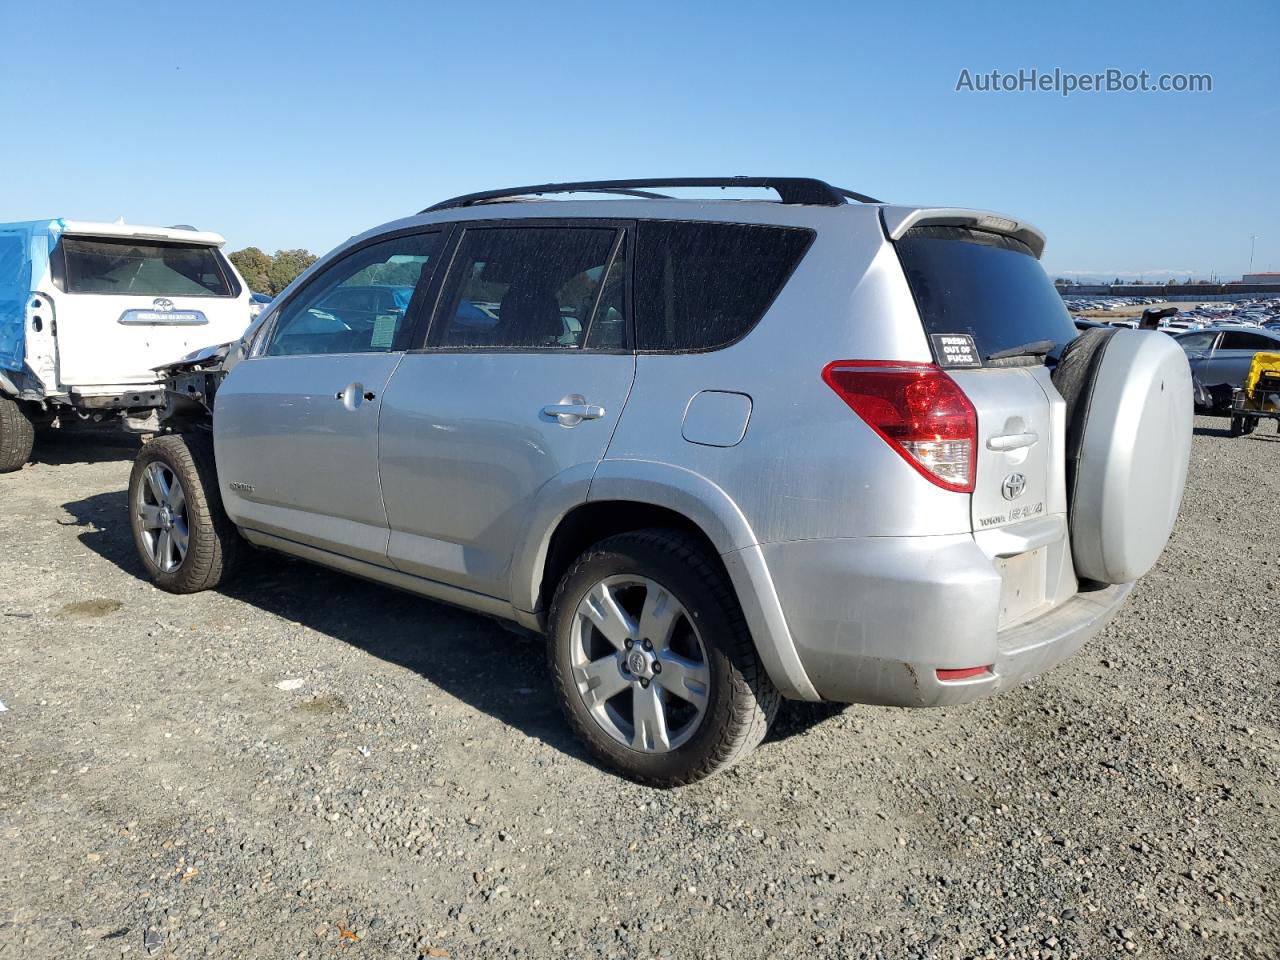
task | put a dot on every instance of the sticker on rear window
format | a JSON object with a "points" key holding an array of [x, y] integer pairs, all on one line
{"points": [[955, 350]]}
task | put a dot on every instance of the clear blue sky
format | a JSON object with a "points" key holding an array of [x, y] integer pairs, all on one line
{"points": [[301, 124]]}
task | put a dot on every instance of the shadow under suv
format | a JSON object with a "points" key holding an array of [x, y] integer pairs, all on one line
{"points": [[719, 451]]}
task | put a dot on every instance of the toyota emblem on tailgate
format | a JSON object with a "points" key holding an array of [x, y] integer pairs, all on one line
{"points": [[1013, 486], [163, 304]]}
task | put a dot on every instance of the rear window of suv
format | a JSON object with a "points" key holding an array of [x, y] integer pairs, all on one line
{"points": [[142, 268], [699, 286], [983, 284]]}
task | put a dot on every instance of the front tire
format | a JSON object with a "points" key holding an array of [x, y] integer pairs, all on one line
{"points": [[183, 535], [17, 436], [652, 661]]}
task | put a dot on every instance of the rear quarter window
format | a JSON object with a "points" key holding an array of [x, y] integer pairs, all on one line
{"points": [[700, 286], [983, 284]]}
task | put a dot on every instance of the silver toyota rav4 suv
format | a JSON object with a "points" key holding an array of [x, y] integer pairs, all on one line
{"points": [[719, 451]]}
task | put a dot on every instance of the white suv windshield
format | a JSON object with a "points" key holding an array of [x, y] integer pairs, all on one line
{"points": [[143, 268]]}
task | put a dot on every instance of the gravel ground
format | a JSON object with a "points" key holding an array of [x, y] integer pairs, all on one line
{"points": [[308, 766]]}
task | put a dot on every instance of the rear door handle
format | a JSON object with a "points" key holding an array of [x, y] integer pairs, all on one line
{"points": [[1012, 441]]}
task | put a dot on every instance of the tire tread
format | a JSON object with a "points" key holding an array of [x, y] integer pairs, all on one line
{"points": [[17, 436], [214, 545]]}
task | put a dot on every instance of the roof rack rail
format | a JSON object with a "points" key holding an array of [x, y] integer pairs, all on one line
{"points": [[789, 190]]}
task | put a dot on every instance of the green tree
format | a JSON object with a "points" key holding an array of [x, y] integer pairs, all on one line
{"points": [[285, 266], [394, 273], [254, 266]]}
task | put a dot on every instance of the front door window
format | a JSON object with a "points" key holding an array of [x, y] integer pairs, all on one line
{"points": [[359, 304]]}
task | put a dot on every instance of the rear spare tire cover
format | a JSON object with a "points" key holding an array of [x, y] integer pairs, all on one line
{"points": [[1129, 401]]}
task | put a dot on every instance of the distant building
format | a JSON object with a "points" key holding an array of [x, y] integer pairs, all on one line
{"points": [[1260, 278]]}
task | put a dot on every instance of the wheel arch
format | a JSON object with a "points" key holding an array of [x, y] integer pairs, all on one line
{"points": [[596, 520], [583, 507], [626, 495]]}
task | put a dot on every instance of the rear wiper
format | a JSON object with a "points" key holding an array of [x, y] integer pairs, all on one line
{"points": [[1036, 348]]}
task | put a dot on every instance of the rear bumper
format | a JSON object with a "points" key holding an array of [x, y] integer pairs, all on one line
{"points": [[874, 619]]}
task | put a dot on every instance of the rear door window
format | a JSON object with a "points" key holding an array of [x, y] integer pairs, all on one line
{"points": [[142, 268], [533, 288], [988, 286], [1236, 340], [699, 286]]}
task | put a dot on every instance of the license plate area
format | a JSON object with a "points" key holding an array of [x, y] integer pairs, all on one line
{"points": [[1022, 585]]}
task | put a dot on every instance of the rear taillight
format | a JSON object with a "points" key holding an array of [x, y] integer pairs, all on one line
{"points": [[920, 411]]}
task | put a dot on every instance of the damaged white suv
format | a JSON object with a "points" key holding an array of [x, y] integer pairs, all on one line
{"points": [[89, 310], [719, 451]]}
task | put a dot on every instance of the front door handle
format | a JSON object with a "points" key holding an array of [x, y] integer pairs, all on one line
{"points": [[572, 410], [353, 393]]}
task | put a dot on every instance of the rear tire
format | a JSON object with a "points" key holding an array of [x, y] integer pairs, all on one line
{"points": [[1223, 398], [17, 436], [713, 702], [184, 536], [1237, 426]]}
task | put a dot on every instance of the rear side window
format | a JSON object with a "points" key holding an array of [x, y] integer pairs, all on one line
{"points": [[988, 286], [1235, 340], [140, 268], [699, 286]]}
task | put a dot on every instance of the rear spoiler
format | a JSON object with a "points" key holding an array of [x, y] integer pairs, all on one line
{"points": [[898, 220], [84, 228]]}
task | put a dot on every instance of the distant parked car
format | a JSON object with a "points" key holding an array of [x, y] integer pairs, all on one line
{"points": [[359, 313], [257, 303], [1220, 357]]}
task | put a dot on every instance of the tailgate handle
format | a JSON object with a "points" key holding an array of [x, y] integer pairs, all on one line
{"points": [[1012, 441]]}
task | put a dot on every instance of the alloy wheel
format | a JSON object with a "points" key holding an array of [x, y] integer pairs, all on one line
{"points": [[162, 514], [639, 664]]}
